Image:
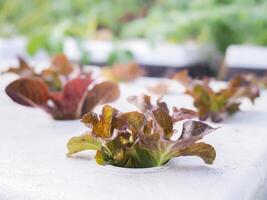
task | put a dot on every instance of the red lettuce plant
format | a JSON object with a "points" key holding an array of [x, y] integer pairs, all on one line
{"points": [[143, 138], [23, 70], [60, 71], [73, 101], [217, 105], [161, 88], [123, 72]]}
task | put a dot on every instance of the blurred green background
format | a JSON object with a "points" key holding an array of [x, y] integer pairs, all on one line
{"points": [[219, 22]]}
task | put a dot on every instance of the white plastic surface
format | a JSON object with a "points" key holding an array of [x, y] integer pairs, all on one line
{"points": [[162, 54], [246, 56]]}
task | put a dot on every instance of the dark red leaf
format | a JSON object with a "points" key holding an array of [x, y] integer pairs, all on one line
{"points": [[28, 92], [100, 94]]}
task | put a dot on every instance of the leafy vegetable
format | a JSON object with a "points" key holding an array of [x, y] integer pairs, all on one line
{"points": [[71, 103], [217, 105], [123, 72], [160, 88], [143, 138], [207, 21], [23, 69], [56, 76]]}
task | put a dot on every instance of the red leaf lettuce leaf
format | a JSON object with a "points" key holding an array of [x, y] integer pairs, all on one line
{"points": [[23, 69], [28, 92], [55, 76], [71, 103], [143, 138], [217, 105], [123, 72]]}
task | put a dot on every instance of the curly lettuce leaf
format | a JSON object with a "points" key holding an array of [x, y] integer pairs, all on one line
{"points": [[144, 139], [205, 151], [102, 125], [81, 143], [217, 105]]}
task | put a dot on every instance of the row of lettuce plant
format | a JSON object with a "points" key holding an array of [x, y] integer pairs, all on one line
{"points": [[137, 139]]}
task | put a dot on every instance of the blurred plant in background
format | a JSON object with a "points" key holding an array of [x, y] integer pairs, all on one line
{"points": [[219, 22], [47, 23]]}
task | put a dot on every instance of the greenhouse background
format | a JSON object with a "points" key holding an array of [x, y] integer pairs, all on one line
{"points": [[76, 26]]}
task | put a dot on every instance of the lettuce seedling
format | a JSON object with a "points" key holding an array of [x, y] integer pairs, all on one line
{"points": [[144, 138], [55, 76], [73, 101], [217, 105], [123, 72]]}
